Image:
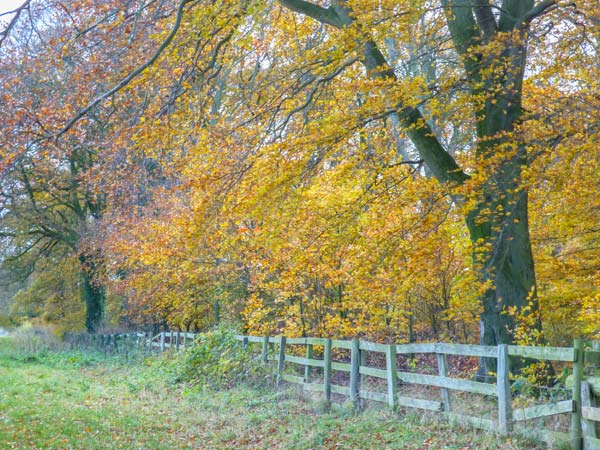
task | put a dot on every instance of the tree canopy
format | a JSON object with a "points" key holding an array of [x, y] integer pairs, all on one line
{"points": [[397, 169]]}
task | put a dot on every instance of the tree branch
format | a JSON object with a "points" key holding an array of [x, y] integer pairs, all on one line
{"points": [[320, 14], [125, 81], [485, 18], [441, 163], [463, 28], [513, 12], [17, 13], [538, 10]]}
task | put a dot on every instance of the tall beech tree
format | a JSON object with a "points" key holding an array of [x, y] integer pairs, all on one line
{"points": [[46, 213], [296, 107], [49, 207], [492, 41]]}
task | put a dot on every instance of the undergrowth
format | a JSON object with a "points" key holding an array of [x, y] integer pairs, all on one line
{"points": [[218, 361]]}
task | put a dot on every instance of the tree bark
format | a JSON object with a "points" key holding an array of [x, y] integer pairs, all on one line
{"points": [[507, 265], [94, 294], [499, 226]]}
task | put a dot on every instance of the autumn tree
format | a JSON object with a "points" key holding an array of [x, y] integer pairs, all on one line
{"points": [[45, 213], [491, 41], [49, 60]]}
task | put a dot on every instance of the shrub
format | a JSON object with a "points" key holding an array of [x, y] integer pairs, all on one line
{"points": [[218, 361], [28, 338]]}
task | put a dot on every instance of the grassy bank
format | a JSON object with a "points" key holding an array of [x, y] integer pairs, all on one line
{"points": [[73, 400]]}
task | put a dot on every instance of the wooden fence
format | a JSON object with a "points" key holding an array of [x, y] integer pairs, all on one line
{"points": [[124, 342], [579, 405], [121, 342], [364, 362]]}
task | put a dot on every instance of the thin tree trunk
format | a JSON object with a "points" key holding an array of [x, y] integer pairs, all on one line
{"points": [[217, 311]]}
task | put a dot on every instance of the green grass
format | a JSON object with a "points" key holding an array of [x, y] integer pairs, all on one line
{"points": [[76, 400]]}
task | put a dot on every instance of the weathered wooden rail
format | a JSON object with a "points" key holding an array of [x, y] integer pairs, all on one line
{"points": [[319, 364], [117, 342], [172, 340]]}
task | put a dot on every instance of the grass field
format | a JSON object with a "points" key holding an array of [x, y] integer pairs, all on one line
{"points": [[75, 400]]}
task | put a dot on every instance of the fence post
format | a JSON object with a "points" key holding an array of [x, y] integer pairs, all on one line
{"points": [[392, 375], [588, 426], [171, 341], [281, 359], [443, 372], [245, 343], [363, 363], [127, 346], [307, 368], [265, 349], [576, 430], [327, 370], [355, 372], [162, 341], [177, 340], [504, 396]]}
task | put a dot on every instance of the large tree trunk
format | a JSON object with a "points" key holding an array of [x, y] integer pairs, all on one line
{"points": [[499, 225], [93, 293], [504, 260]]}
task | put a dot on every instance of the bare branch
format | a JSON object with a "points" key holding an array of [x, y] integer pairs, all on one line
{"points": [[520, 13], [538, 10], [125, 81], [17, 14]]}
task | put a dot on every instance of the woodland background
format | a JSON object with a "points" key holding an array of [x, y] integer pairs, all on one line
{"points": [[390, 169]]}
